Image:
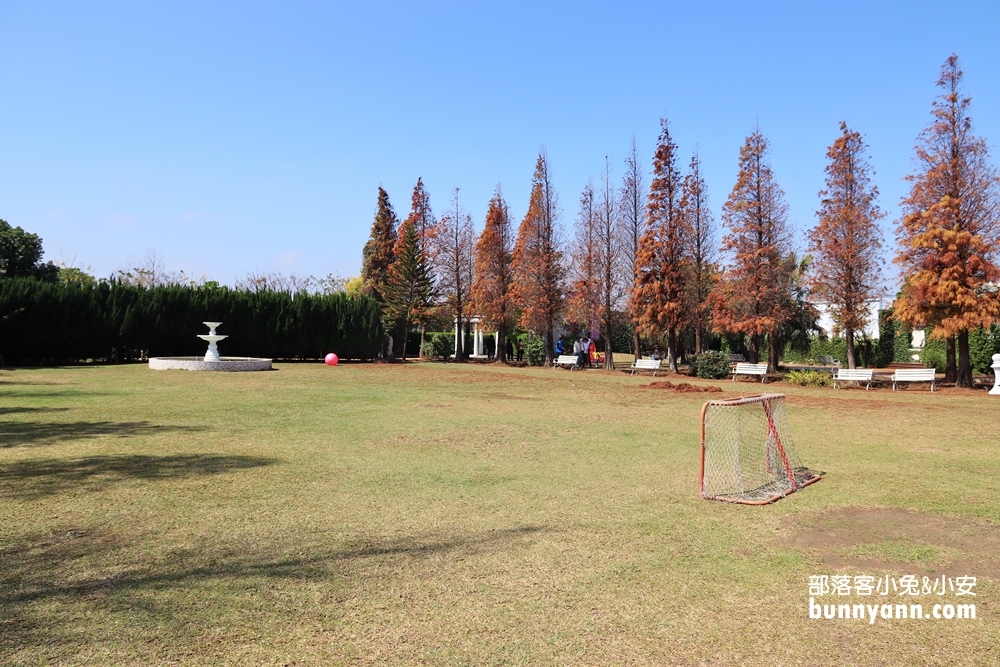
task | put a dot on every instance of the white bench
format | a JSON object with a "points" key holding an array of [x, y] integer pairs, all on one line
{"points": [[854, 375], [913, 375], [750, 369], [565, 360], [646, 365]]}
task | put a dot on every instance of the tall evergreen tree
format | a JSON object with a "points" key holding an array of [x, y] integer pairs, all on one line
{"points": [[847, 241], [492, 287], [380, 250], [755, 293], [950, 231], [537, 260], [658, 297], [409, 286], [428, 229]]}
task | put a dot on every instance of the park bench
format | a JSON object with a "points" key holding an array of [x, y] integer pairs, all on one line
{"points": [[854, 375], [829, 361], [646, 365], [750, 369], [913, 375], [735, 359], [565, 360]]}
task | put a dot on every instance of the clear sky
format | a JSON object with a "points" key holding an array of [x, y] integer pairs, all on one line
{"points": [[229, 137]]}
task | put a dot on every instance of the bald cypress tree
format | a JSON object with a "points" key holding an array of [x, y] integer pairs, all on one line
{"points": [[380, 250]]}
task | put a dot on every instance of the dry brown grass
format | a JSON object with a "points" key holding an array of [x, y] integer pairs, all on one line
{"points": [[441, 514]]}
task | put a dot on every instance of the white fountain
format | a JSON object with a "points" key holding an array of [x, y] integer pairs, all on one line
{"points": [[211, 361], [212, 339]]}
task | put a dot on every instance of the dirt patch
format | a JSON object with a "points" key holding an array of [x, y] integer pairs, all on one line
{"points": [[891, 539], [683, 387]]}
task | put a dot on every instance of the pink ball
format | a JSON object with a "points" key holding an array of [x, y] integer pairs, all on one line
{"points": [[332, 359]]}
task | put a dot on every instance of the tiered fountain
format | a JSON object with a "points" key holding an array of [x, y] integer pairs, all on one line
{"points": [[211, 361]]}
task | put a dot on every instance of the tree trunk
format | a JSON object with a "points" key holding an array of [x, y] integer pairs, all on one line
{"points": [[501, 345], [753, 349], [773, 359], [460, 347], [964, 377], [697, 341], [406, 334], [609, 352], [849, 333], [672, 350], [950, 371], [420, 352], [635, 343], [549, 344]]}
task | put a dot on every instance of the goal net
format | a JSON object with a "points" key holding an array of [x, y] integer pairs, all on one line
{"points": [[747, 453]]}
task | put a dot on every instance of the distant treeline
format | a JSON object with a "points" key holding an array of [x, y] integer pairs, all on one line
{"points": [[45, 321]]}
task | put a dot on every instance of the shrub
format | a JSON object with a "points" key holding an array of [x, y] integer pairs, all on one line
{"points": [[935, 353], [983, 344], [439, 345], [712, 365], [809, 378], [534, 351]]}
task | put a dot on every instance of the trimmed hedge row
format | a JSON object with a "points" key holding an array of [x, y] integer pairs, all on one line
{"points": [[55, 321]]}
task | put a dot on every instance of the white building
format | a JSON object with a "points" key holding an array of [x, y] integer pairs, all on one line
{"points": [[830, 329]]}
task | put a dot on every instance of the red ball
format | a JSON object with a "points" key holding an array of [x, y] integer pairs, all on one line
{"points": [[332, 359]]}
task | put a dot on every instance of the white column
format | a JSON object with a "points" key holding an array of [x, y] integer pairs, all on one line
{"points": [[479, 342], [456, 337], [996, 371]]}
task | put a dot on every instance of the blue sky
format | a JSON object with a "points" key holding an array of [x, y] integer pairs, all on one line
{"points": [[229, 137]]}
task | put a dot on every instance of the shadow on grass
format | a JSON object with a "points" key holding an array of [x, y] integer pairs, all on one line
{"points": [[37, 434], [14, 411], [82, 569], [46, 476]]}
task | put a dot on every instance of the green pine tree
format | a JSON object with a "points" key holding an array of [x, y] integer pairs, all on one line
{"points": [[409, 285]]}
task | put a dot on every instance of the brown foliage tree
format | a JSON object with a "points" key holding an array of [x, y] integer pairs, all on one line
{"points": [[633, 209], [379, 251], [492, 293], [700, 251], [847, 241], [657, 302], [950, 229], [537, 259], [755, 292], [453, 259]]}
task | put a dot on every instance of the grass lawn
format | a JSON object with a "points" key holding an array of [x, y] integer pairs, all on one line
{"points": [[471, 515]]}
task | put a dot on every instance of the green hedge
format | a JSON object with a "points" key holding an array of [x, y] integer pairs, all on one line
{"points": [[66, 322]]}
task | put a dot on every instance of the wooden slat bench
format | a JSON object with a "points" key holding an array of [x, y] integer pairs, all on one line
{"points": [[565, 360], [913, 375], [854, 375], [828, 361], [646, 365], [750, 369], [735, 359]]}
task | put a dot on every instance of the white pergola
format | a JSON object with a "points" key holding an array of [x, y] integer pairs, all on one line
{"points": [[478, 347]]}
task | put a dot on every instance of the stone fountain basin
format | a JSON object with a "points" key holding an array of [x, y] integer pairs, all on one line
{"points": [[231, 364]]}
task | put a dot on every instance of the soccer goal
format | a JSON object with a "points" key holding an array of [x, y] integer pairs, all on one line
{"points": [[747, 453]]}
